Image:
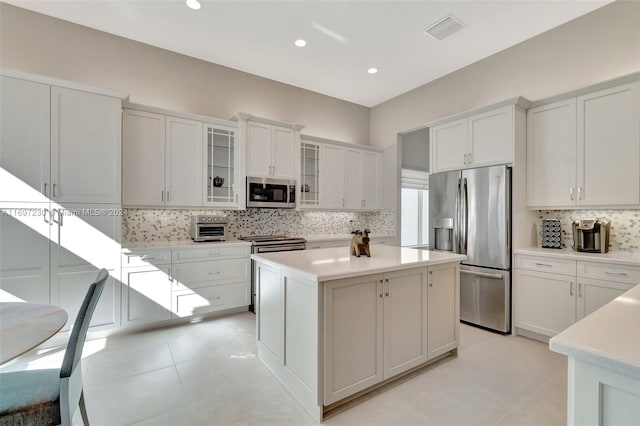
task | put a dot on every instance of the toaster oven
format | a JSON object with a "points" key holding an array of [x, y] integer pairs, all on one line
{"points": [[209, 228]]}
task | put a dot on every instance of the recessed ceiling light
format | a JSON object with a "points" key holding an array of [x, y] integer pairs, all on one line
{"points": [[300, 43], [372, 70], [194, 4]]}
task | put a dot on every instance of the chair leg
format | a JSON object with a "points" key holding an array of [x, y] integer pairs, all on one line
{"points": [[83, 410]]}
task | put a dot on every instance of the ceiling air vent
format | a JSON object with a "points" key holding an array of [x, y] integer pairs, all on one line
{"points": [[444, 27]]}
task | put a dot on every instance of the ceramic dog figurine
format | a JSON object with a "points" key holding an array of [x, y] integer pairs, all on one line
{"points": [[360, 243]]}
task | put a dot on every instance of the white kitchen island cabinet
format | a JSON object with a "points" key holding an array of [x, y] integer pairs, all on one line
{"points": [[332, 326]]}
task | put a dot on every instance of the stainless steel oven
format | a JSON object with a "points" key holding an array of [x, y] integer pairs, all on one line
{"points": [[271, 193], [270, 244], [208, 228]]}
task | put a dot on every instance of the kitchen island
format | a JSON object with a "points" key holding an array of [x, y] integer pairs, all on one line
{"points": [[332, 326]]}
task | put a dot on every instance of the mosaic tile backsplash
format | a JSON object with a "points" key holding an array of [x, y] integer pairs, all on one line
{"points": [[148, 225], [625, 226]]}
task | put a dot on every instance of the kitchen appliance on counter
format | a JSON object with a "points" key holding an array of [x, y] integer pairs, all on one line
{"points": [[208, 228], [270, 244], [591, 235], [271, 193], [470, 213]]}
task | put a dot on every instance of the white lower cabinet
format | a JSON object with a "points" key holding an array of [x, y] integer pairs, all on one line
{"points": [[378, 326], [547, 303], [161, 284]]}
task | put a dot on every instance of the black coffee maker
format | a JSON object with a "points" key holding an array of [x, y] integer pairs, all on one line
{"points": [[591, 235]]}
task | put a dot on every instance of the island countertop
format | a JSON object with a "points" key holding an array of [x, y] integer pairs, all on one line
{"points": [[336, 263], [608, 337]]}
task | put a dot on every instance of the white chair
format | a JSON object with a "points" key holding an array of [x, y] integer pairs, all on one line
{"points": [[51, 397]]}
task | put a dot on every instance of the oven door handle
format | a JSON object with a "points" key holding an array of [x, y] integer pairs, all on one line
{"points": [[280, 248]]}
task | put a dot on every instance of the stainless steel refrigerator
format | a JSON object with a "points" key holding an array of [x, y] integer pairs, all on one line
{"points": [[470, 213]]}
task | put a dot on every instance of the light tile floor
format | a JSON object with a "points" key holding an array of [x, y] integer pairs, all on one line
{"points": [[208, 374]]}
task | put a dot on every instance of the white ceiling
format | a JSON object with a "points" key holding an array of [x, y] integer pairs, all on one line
{"points": [[344, 38]]}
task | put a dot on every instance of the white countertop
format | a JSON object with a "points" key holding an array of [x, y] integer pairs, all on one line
{"points": [[181, 244], [335, 263], [609, 337], [623, 258]]}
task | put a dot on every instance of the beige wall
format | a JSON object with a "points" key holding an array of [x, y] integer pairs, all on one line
{"points": [[39, 44], [599, 46]]}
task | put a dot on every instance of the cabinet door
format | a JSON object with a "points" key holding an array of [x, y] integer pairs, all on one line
{"points": [[609, 147], [86, 134], [310, 174], [184, 162], [594, 294], [371, 180], [449, 146], [353, 314], [283, 153], [405, 320], [220, 161], [258, 149], [88, 239], [353, 179], [333, 177], [544, 303], [143, 159], [24, 138], [491, 137], [24, 251], [443, 310], [551, 155], [146, 294]]}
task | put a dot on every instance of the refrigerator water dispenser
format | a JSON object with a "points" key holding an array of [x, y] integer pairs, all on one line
{"points": [[444, 234]]}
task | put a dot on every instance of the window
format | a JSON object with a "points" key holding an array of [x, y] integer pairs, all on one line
{"points": [[414, 209]]}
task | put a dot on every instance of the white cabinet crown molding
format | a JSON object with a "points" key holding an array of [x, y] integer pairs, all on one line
{"points": [[64, 83], [518, 101], [309, 138], [250, 117], [180, 114]]}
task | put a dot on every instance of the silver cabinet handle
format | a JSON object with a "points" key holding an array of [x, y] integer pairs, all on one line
{"points": [[470, 157], [214, 273], [571, 288], [465, 159], [388, 287], [214, 253], [571, 193], [579, 289], [54, 190], [47, 216], [430, 279], [543, 264], [44, 191], [580, 197], [380, 286], [168, 196], [162, 195], [622, 274], [55, 216]]}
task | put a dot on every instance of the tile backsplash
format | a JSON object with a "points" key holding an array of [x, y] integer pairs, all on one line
{"points": [[147, 225], [625, 226]]}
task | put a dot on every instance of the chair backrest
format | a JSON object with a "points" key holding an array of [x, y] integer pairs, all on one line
{"points": [[73, 353]]}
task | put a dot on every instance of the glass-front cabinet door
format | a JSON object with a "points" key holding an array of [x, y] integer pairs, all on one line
{"points": [[221, 180], [309, 175]]}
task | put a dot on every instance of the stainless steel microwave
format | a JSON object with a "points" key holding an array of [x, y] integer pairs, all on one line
{"points": [[271, 193]]}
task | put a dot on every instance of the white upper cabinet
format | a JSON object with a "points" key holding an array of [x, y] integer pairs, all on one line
{"points": [[25, 137], [183, 179], [222, 185], [449, 145], [585, 151], [162, 157], [143, 158], [353, 179], [608, 153], [482, 139], [86, 157], [551, 154], [332, 173], [62, 142], [270, 151], [371, 180]]}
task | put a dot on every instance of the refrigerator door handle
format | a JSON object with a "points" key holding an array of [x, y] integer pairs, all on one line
{"points": [[482, 274], [464, 218], [456, 225]]}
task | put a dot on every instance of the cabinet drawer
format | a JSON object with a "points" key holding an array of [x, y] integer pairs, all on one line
{"points": [[210, 252], [203, 274], [208, 299], [609, 271], [546, 264], [148, 257], [316, 245]]}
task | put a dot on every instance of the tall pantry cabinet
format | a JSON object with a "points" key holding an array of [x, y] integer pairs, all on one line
{"points": [[60, 156]]}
